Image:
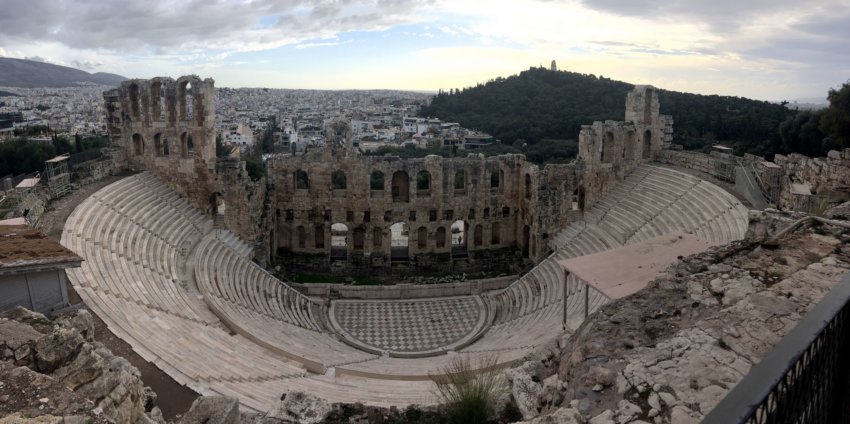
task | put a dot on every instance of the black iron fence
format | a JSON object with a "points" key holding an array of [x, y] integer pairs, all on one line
{"points": [[805, 378]]}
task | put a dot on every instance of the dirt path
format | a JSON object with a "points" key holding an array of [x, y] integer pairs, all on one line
{"points": [[172, 398]]}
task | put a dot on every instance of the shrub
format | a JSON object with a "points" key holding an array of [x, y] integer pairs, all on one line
{"points": [[469, 393]]}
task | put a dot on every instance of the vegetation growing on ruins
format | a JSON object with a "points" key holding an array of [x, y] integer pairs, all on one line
{"points": [[469, 397]]}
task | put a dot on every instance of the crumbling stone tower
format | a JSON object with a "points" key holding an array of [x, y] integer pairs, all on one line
{"points": [[167, 126], [610, 150]]}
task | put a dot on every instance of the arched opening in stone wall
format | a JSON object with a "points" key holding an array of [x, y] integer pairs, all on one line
{"points": [[301, 180], [527, 186], [478, 235], [301, 233], [135, 101], [181, 100], [157, 144], [138, 144], [339, 241], [486, 213], [198, 109], [338, 180], [399, 242], [377, 239], [495, 234], [607, 150], [423, 182], [187, 146], [460, 182], [166, 149], [495, 181], [359, 235], [189, 101], [459, 239], [422, 238], [581, 195], [647, 144], [440, 238], [156, 101], [629, 148], [526, 240], [401, 187], [376, 180], [575, 199], [319, 237]]}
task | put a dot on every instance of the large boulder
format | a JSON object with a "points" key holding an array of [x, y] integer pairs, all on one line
{"points": [[525, 388], [213, 410]]}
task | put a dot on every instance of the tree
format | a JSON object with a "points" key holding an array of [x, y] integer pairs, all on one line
{"points": [[836, 119]]}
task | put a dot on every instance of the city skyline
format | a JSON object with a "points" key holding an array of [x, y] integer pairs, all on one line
{"points": [[777, 50]]}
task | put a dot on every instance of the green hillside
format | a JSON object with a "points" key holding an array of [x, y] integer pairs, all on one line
{"points": [[539, 104]]}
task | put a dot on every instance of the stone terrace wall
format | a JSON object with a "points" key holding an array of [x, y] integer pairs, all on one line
{"points": [[716, 164]]}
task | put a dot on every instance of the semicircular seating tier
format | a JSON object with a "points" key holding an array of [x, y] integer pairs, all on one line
{"points": [[189, 299]]}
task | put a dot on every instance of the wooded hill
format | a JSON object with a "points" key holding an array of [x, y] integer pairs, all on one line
{"points": [[540, 104]]}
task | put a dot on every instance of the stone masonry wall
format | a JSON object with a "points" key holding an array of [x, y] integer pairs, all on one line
{"points": [[610, 150], [718, 166], [167, 127], [494, 197]]}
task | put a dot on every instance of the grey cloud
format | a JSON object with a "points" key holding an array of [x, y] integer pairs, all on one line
{"points": [[162, 25], [719, 15], [817, 40], [39, 59]]}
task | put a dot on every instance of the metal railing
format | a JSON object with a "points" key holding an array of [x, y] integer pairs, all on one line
{"points": [[805, 378]]}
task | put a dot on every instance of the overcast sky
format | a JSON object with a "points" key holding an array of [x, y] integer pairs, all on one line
{"points": [[765, 49]]}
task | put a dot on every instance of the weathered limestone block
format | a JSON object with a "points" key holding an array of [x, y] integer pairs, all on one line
{"points": [[527, 393], [213, 410], [299, 408]]}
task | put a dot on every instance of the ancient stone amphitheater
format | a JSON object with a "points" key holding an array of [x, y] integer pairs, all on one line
{"points": [[166, 271]]}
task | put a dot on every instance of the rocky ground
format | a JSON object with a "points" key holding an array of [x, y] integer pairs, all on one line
{"points": [[671, 352], [55, 370]]}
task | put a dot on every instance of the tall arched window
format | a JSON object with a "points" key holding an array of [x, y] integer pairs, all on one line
{"points": [[376, 180], [423, 181], [422, 237], [607, 150], [460, 180], [401, 187], [338, 180], [302, 181], [138, 144], [157, 144]]}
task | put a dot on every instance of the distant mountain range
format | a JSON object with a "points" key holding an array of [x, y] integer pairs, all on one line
{"points": [[30, 73]]}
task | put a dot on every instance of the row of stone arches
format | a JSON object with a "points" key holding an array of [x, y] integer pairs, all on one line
{"points": [[184, 106], [162, 146], [456, 237], [400, 183], [607, 152]]}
